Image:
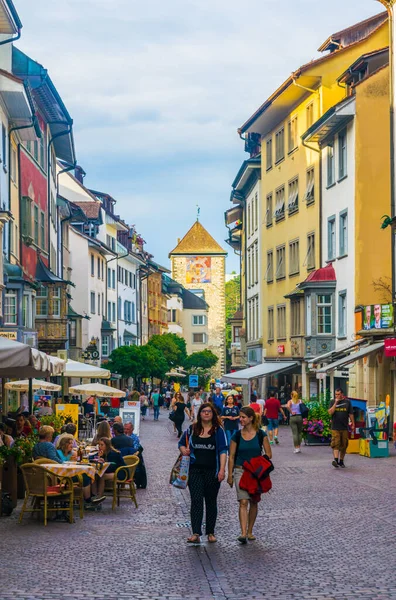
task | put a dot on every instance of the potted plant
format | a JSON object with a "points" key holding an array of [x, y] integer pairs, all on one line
{"points": [[316, 428]]}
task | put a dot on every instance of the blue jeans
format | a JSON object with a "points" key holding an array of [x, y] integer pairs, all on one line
{"points": [[229, 433], [156, 413]]}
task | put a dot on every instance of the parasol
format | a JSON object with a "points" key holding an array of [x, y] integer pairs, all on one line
{"points": [[23, 385], [97, 389]]}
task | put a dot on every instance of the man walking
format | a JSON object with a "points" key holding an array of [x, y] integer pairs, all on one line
{"points": [[217, 400], [155, 398], [341, 411], [272, 408]]}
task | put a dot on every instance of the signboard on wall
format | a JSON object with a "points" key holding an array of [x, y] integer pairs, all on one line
{"points": [[378, 316], [198, 269], [10, 335], [390, 347], [131, 414]]}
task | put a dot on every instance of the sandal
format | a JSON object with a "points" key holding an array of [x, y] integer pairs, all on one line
{"points": [[242, 539], [194, 539], [251, 537], [212, 538]]}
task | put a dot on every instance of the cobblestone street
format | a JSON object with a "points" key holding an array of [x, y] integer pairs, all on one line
{"points": [[322, 534]]}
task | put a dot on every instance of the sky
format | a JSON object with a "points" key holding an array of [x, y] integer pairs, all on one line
{"points": [[158, 89]]}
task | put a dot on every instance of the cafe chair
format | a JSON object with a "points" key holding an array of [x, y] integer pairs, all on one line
{"points": [[37, 479], [124, 488]]}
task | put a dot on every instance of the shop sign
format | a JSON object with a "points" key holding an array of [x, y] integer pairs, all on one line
{"points": [[390, 347], [10, 335], [320, 375], [281, 349], [378, 316]]}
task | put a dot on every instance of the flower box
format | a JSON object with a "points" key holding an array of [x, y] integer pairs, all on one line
{"points": [[315, 440]]}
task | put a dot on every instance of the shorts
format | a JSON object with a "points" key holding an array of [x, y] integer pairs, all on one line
{"points": [[339, 440], [273, 424], [241, 494]]}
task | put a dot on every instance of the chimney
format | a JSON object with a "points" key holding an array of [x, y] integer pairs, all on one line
{"points": [[79, 173]]}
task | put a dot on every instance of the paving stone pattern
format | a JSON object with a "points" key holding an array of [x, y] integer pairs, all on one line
{"points": [[322, 534]]}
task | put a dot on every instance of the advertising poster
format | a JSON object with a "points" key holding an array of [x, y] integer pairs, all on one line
{"points": [[198, 269], [68, 410], [378, 316]]}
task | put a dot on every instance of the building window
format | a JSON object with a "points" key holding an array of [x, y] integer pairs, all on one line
{"points": [[330, 165], [102, 270], [293, 133], [331, 238], [26, 218], [72, 334], [93, 299], [26, 311], [13, 164], [92, 265], [256, 263], [268, 214], [113, 278], [324, 314], [281, 322], [248, 220], [310, 189], [36, 225], [98, 263], [268, 146], [10, 309], [294, 257], [109, 311], [105, 345], [133, 316], [42, 230], [280, 263], [280, 145], [269, 276], [56, 301], [343, 233], [4, 145], [292, 203], [310, 114], [280, 203], [295, 317], [198, 320], [236, 334], [42, 302], [308, 315], [310, 258], [270, 324], [113, 316], [199, 338], [342, 314], [256, 212], [342, 155], [99, 304], [108, 277]]}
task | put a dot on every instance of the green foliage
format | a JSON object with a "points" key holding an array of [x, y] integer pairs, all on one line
{"points": [[55, 421], [204, 360], [128, 361], [21, 450], [319, 420], [232, 303]]}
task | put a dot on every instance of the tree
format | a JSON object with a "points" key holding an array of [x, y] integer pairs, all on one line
{"points": [[232, 304], [172, 347], [203, 360], [127, 361]]}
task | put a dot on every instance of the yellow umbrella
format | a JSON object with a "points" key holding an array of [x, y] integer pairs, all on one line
{"points": [[23, 386], [97, 389]]}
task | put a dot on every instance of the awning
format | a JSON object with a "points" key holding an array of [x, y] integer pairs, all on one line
{"points": [[262, 370], [347, 360], [334, 353], [20, 360]]}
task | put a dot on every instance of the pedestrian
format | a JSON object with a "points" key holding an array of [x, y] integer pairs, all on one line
{"points": [[180, 408], [230, 418], [255, 405], [271, 411], [143, 405], [296, 420], [207, 448], [341, 412], [246, 444], [155, 398], [195, 404], [218, 400]]}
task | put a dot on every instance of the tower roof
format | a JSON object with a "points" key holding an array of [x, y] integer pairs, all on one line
{"points": [[198, 241]]}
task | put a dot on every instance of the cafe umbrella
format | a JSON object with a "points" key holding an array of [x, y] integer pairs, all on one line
{"points": [[97, 390], [37, 384]]}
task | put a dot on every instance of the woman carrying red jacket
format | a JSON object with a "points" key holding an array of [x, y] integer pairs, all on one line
{"points": [[245, 445]]}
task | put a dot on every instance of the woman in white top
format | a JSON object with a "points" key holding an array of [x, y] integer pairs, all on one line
{"points": [[296, 421], [195, 404]]}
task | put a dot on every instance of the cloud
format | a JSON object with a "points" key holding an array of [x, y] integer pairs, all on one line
{"points": [[158, 89]]}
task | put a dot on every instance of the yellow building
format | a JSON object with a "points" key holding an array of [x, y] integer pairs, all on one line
{"points": [[290, 184], [157, 300], [198, 263]]}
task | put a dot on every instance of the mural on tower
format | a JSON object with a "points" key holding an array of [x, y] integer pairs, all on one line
{"points": [[198, 269]]}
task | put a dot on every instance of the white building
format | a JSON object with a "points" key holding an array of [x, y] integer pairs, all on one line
{"points": [[129, 300]]}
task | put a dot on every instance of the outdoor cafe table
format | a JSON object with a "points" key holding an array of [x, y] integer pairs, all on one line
{"points": [[71, 469]]}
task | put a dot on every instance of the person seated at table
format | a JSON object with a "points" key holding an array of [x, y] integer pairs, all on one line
{"points": [[102, 430], [65, 448], [45, 409], [22, 426], [68, 429], [5, 440], [128, 430], [34, 423], [122, 442], [107, 453], [44, 447]]}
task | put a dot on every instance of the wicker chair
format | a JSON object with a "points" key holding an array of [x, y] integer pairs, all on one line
{"points": [[123, 488], [78, 485], [36, 481]]}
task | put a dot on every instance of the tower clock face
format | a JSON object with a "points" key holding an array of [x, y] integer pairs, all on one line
{"points": [[198, 269]]}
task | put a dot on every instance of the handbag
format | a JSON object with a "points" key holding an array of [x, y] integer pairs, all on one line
{"points": [[179, 473], [172, 415], [304, 410]]}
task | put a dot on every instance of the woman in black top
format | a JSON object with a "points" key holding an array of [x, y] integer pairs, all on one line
{"points": [[180, 408], [109, 454]]}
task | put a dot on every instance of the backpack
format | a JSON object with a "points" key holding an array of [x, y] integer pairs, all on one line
{"points": [[304, 410]]}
